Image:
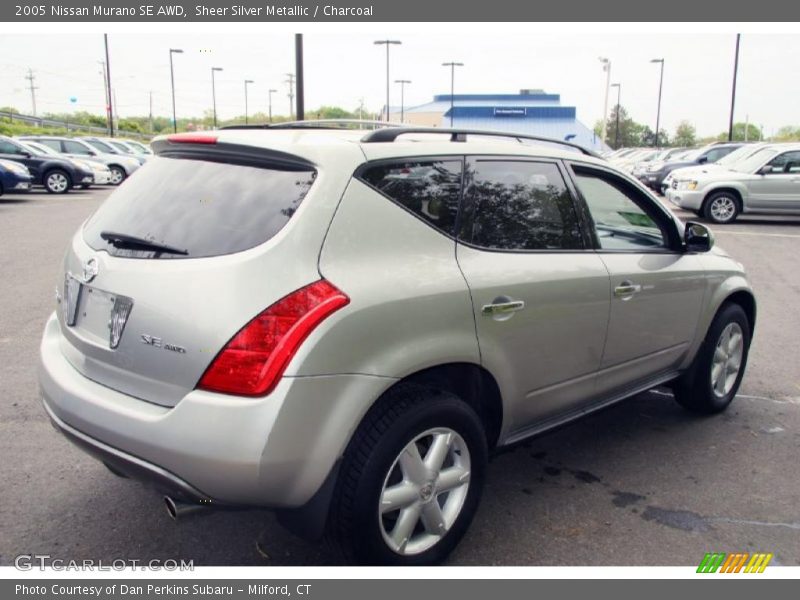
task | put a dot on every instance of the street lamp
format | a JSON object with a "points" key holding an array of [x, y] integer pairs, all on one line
{"points": [[660, 86], [452, 66], [172, 80], [733, 88], [214, 93], [402, 83], [387, 43], [246, 82], [607, 68], [616, 126], [270, 104]]}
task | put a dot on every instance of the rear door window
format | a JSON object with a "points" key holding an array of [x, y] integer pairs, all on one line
{"points": [[201, 207], [429, 189]]}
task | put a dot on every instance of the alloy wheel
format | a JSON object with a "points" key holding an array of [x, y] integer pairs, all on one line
{"points": [[727, 360], [57, 182], [723, 209]]}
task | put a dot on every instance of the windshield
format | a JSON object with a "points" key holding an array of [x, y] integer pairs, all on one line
{"points": [[750, 164], [39, 149], [736, 155], [694, 154], [138, 147]]}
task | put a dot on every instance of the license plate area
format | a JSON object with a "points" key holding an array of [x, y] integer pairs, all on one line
{"points": [[100, 316]]}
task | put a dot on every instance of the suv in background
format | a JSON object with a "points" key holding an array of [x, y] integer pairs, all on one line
{"points": [[120, 166], [58, 174], [766, 182], [378, 324], [654, 175]]}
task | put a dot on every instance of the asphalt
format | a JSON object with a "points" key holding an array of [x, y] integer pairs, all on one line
{"points": [[641, 483]]}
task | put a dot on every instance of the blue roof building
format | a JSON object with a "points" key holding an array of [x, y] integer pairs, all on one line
{"points": [[532, 112]]}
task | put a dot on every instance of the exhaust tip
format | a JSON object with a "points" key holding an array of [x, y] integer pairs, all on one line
{"points": [[172, 508]]}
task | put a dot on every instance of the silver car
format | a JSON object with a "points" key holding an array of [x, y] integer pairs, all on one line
{"points": [[342, 325]]}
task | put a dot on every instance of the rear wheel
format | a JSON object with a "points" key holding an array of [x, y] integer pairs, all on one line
{"points": [[57, 182], [411, 479], [118, 175], [713, 379], [721, 208]]}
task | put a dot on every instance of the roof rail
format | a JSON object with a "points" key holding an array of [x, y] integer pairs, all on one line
{"points": [[460, 135], [316, 124]]}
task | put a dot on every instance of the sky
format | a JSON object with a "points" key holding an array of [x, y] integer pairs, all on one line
{"points": [[341, 69]]}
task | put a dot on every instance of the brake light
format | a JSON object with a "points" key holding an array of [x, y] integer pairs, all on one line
{"points": [[191, 138], [252, 363]]}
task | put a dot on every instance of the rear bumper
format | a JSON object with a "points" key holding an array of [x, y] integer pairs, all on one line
{"points": [[274, 451]]}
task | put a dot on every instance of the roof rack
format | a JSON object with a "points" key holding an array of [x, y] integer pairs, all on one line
{"points": [[460, 135], [316, 124]]}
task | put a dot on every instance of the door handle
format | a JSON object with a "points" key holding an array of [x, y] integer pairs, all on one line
{"points": [[502, 308], [627, 289]]}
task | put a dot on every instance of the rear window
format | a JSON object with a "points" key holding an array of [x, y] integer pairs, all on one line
{"points": [[200, 207]]}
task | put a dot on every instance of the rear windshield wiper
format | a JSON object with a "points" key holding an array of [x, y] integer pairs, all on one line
{"points": [[123, 240]]}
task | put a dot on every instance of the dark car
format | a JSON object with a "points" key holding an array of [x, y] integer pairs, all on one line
{"points": [[654, 176], [14, 177], [57, 174]]}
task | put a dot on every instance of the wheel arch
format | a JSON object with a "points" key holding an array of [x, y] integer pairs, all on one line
{"points": [[731, 189]]}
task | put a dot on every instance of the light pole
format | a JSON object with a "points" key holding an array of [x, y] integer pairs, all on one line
{"points": [[616, 126], [452, 66], [660, 86], [607, 68], [402, 83], [387, 43], [246, 83], [214, 93], [733, 89], [270, 104], [172, 80], [109, 109]]}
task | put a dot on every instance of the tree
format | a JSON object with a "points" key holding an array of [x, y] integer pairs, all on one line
{"points": [[753, 133], [684, 134], [787, 133]]}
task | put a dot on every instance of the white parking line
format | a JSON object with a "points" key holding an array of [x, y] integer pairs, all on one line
{"points": [[784, 235]]}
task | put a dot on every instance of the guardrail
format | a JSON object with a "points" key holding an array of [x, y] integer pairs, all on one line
{"points": [[41, 122]]}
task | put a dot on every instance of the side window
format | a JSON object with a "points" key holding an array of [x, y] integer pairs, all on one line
{"points": [[620, 215], [428, 188], [788, 162], [8, 148], [717, 153], [519, 205], [52, 144], [71, 147]]}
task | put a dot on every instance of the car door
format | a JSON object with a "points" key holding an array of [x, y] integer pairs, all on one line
{"points": [[656, 289], [779, 187], [539, 292]]}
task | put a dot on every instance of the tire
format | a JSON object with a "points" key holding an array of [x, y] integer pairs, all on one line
{"points": [[360, 527], [703, 389], [721, 208], [118, 175], [57, 181]]}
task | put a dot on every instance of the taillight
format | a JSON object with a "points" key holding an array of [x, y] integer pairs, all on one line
{"points": [[252, 363]]}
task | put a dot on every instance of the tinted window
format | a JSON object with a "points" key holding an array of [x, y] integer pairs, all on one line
{"points": [[429, 189], [621, 222], [101, 146], [717, 153], [788, 162], [515, 205], [73, 147], [205, 208], [7, 147]]}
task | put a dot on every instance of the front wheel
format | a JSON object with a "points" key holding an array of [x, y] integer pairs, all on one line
{"points": [[118, 175], [57, 182], [716, 373], [721, 208], [411, 479]]}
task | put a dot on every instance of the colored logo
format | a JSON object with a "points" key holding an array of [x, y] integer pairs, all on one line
{"points": [[737, 562]]}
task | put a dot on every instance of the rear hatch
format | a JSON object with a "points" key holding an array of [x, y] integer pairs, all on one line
{"points": [[196, 243]]}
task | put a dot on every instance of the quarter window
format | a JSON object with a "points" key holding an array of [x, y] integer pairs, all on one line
{"points": [[429, 189], [620, 217], [519, 205]]}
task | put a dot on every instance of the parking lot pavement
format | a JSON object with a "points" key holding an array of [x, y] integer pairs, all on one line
{"points": [[641, 483]]}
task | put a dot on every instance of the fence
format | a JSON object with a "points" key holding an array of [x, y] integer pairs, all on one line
{"points": [[40, 122]]}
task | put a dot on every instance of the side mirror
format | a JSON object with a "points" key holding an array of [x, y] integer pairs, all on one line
{"points": [[765, 170], [702, 160], [25, 153], [698, 237]]}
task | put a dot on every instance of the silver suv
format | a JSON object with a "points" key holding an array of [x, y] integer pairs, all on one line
{"points": [[341, 325]]}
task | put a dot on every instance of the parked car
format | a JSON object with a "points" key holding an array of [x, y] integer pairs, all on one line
{"points": [[100, 172], [125, 149], [57, 174], [726, 162], [767, 182], [139, 147], [119, 166], [654, 176], [14, 177], [640, 166], [354, 352]]}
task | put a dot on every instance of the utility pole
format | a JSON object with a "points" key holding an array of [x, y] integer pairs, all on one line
{"points": [[31, 79], [172, 82], [214, 93], [361, 109], [246, 83], [271, 91], [290, 81], [402, 83], [151, 111], [733, 89], [102, 63], [616, 126], [452, 66], [607, 68], [298, 68], [660, 86], [109, 108]]}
